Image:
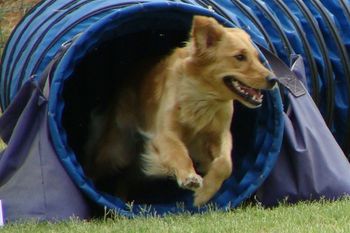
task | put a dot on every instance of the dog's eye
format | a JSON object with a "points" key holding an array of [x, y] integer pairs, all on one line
{"points": [[241, 57]]}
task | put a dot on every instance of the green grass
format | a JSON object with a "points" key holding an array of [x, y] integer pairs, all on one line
{"points": [[308, 217], [2, 145]]}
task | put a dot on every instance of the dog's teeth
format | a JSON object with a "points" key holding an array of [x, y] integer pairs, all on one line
{"points": [[261, 98], [235, 83], [258, 98]]}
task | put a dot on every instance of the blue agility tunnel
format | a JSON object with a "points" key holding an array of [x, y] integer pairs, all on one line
{"points": [[66, 57]]}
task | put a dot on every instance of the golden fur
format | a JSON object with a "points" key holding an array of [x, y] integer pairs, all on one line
{"points": [[183, 107]]}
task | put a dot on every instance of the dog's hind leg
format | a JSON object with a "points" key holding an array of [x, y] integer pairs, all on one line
{"points": [[167, 156]]}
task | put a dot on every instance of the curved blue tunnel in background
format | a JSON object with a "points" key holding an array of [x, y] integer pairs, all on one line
{"points": [[117, 30]]}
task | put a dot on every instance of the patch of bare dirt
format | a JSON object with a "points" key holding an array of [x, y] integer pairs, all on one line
{"points": [[11, 11]]}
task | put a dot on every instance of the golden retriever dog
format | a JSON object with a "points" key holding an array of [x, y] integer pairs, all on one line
{"points": [[183, 108]]}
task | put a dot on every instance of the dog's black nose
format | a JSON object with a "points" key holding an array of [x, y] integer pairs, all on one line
{"points": [[272, 80]]}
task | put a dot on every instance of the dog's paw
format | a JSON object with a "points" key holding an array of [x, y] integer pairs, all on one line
{"points": [[202, 196], [192, 182]]}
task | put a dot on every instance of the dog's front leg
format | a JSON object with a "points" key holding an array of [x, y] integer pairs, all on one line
{"points": [[219, 170], [166, 155]]}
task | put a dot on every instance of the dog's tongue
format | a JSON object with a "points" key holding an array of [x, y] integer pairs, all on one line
{"points": [[251, 91]]}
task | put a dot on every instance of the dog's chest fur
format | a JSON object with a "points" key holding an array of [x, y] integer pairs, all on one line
{"points": [[201, 114]]}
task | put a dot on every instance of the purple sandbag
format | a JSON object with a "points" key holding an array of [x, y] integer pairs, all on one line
{"points": [[311, 164], [33, 183]]}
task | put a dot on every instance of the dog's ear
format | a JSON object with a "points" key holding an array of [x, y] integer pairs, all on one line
{"points": [[206, 32]]}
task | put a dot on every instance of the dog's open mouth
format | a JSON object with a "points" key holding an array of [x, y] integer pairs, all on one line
{"points": [[249, 94]]}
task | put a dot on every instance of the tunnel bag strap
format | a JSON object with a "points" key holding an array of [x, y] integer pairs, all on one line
{"points": [[12, 114], [45, 80], [30, 170], [311, 165], [284, 75]]}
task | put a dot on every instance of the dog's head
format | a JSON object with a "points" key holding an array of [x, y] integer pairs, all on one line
{"points": [[226, 62]]}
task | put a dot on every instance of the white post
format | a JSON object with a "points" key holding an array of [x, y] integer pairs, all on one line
{"points": [[1, 215]]}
